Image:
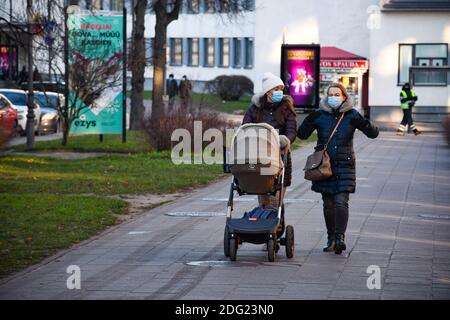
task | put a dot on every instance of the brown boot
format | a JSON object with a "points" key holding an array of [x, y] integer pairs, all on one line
{"points": [[416, 132], [400, 132]]}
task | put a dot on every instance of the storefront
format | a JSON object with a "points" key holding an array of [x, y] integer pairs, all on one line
{"points": [[351, 70], [8, 62]]}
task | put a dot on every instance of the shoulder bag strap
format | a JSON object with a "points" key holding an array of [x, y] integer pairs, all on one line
{"points": [[335, 128]]}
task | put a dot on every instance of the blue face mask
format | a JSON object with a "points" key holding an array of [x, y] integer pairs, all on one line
{"points": [[334, 102], [277, 96]]}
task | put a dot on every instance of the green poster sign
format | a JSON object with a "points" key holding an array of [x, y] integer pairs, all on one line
{"points": [[95, 55]]}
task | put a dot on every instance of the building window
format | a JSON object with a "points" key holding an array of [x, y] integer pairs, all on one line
{"points": [[210, 6], [95, 4], [237, 53], [149, 9], [117, 5], [209, 52], [248, 5], [224, 52], [193, 6], [224, 7], [149, 50], [249, 49], [193, 51], [176, 51], [405, 61], [424, 55]]}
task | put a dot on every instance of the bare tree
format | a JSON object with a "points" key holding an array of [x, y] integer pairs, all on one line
{"points": [[137, 63], [166, 11]]}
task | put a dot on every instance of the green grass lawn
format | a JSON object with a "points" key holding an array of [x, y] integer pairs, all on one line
{"points": [[135, 142], [104, 175], [213, 102], [43, 209], [300, 143], [34, 227]]}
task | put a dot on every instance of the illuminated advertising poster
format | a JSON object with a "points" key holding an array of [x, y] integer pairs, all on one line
{"points": [[300, 73], [95, 73]]}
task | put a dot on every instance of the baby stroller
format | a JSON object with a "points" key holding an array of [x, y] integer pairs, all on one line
{"points": [[257, 166]]}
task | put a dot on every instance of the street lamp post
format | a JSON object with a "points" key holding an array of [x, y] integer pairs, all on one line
{"points": [[30, 114]]}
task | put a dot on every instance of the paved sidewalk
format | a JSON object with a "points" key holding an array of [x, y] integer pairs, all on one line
{"points": [[399, 221]]}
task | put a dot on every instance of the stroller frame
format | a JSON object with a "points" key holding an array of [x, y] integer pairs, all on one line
{"points": [[259, 231]]}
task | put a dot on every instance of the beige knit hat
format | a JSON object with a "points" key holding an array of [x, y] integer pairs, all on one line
{"points": [[270, 81]]}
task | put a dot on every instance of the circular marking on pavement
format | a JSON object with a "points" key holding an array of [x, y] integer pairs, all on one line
{"points": [[435, 216], [196, 214], [138, 232], [220, 263], [287, 200], [226, 199]]}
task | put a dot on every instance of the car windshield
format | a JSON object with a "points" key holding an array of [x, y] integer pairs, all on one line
{"points": [[16, 98], [49, 101]]}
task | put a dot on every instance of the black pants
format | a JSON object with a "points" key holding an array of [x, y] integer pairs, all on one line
{"points": [[335, 211], [407, 117]]}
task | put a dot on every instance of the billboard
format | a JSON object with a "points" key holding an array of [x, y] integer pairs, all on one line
{"points": [[95, 62], [300, 71]]}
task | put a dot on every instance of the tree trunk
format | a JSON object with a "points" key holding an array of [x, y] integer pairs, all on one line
{"points": [[65, 134], [159, 65], [138, 67]]}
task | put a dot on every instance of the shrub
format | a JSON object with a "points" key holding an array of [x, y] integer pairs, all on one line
{"points": [[159, 133], [230, 88]]}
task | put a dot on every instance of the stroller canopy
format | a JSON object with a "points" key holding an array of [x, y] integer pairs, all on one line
{"points": [[257, 145]]}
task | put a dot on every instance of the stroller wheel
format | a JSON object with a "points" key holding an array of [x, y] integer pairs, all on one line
{"points": [[226, 243], [290, 241], [233, 249], [271, 250]]}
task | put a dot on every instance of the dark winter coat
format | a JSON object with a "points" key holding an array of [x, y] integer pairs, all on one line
{"points": [[340, 148], [281, 116], [171, 87]]}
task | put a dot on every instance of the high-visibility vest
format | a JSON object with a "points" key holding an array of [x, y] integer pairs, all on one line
{"points": [[405, 105]]}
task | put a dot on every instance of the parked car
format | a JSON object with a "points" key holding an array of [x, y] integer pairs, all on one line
{"points": [[8, 119], [47, 86], [19, 99], [50, 103]]}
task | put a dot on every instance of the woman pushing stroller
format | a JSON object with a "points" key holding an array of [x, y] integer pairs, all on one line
{"points": [[272, 116], [272, 107]]}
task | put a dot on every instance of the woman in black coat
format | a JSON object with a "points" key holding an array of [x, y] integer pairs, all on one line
{"points": [[336, 189], [272, 107]]}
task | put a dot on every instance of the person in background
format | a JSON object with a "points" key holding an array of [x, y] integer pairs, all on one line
{"points": [[408, 99], [172, 90], [185, 93], [36, 75], [336, 189], [23, 76]]}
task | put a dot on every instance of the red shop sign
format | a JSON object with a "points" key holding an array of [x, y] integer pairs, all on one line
{"points": [[351, 64]]}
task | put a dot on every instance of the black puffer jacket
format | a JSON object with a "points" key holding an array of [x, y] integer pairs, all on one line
{"points": [[340, 148], [281, 116]]}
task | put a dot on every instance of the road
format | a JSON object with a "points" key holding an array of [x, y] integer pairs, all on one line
{"points": [[399, 222]]}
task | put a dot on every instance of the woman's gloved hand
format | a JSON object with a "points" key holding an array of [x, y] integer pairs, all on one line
{"points": [[284, 141], [360, 122]]}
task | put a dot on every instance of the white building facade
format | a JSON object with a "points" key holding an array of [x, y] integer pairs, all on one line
{"points": [[391, 35]]}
